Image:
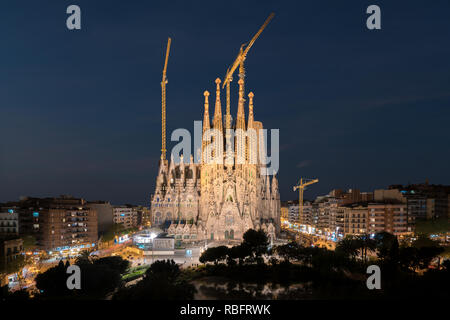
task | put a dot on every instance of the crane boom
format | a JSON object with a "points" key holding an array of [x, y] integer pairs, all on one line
{"points": [[243, 53], [163, 103], [169, 41], [250, 44]]}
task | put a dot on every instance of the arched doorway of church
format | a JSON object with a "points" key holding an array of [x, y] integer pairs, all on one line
{"points": [[158, 218], [229, 234]]}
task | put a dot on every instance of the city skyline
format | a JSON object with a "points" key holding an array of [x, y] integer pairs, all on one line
{"points": [[355, 108]]}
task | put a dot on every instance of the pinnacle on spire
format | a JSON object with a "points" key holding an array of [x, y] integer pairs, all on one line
{"points": [[240, 119], [206, 115], [217, 121], [181, 160], [228, 113], [240, 146], [206, 125], [250, 110], [252, 139]]}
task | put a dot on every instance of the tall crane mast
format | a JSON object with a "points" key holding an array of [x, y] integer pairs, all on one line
{"points": [[163, 107], [303, 183], [239, 61]]}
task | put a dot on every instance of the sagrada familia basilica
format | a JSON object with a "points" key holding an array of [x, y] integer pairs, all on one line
{"points": [[230, 190], [220, 199]]}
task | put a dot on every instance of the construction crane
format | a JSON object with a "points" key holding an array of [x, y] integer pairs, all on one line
{"points": [[303, 183], [163, 107], [239, 61]]}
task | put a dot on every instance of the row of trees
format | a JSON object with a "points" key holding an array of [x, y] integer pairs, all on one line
{"points": [[412, 257], [99, 276], [343, 269], [253, 247], [163, 280]]}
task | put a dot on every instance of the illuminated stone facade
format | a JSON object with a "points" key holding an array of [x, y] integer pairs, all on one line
{"points": [[218, 200]]}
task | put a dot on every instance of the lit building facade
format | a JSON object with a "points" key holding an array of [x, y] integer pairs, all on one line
{"points": [[356, 219], [9, 223], [59, 224], [225, 194], [127, 216]]}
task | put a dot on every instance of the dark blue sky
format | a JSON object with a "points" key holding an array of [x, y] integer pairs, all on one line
{"points": [[80, 110]]}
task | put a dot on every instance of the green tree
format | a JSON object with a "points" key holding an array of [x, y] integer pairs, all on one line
{"points": [[84, 258], [239, 252], [408, 259], [115, 230], [98, 278], [214, 254], [365, 244], [162, 281], [115, 263], [290, 251], [166, 269], [387, 247], [348, 247], [52, 283], [256, 241]]}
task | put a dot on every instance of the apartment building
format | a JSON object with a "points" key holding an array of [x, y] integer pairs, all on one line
{"points": [[59, 224], [9, 223], [388, 217], [126, 216], [356, 217]]}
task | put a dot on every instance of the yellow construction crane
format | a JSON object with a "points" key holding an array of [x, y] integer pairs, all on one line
{"points": [[303, 183], [163, 108], [239, 61]]}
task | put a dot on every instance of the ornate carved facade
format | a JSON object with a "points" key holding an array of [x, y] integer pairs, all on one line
{"points": [[218, 199]]}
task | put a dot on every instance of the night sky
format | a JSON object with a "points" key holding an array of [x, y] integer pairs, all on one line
{"points": [[80, 110]]}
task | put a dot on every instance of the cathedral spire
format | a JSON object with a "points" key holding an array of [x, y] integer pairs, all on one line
{"points": [[217, 122], [218, 127], [240, 119], [206, 125], [252, 139], [240, 146], [250, 110]]}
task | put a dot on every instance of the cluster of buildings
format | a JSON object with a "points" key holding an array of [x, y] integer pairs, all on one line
{"points": [[64, 224], [395, 210]]}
